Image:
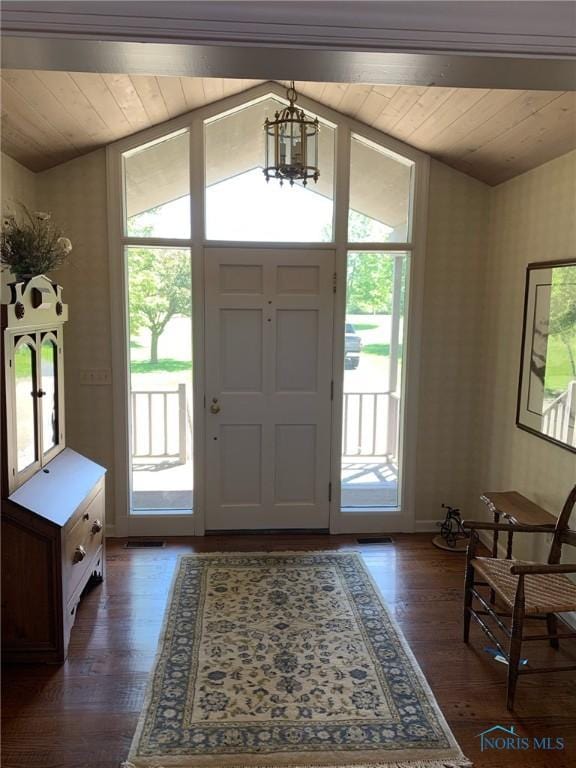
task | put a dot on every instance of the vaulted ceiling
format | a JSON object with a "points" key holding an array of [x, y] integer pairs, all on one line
{"points": [[49, 117]]}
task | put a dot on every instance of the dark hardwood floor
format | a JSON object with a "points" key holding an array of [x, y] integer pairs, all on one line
{"points": [[83, 714]]}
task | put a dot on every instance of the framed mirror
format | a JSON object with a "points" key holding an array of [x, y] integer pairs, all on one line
{"points": [[547, 387]]}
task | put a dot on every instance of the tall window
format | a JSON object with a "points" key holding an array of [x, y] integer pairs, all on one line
{"points": [[379, 213], [241, 206], [159, 287], [373, 357]]}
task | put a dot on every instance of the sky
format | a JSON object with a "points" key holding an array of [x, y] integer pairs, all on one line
{"points": [[246, 207]]}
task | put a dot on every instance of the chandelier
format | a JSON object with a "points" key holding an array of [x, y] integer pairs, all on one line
{"points": [[291, 144]]}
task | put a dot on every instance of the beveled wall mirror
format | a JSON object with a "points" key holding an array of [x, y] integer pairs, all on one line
{"points": [[547, 388]]}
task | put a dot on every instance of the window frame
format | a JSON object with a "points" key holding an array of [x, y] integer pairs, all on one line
{"points": [[193, 122]]}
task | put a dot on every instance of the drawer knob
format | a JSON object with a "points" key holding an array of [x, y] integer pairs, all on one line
{"points": [[96, 526], [79, 554]]}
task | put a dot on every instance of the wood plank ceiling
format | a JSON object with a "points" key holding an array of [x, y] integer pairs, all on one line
{"points": [[493, 135]]}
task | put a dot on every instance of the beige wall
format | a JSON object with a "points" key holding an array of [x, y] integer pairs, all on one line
{"points": [[18, 185], [532, 218], [479, 241], [450, 389], [75, 194]]}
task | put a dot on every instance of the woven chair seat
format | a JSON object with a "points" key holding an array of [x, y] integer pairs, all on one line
{"points": [[544, 593]]}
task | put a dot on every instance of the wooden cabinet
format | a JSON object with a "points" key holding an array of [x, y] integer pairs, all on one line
{"points": [[52, 546], [53, 499]]}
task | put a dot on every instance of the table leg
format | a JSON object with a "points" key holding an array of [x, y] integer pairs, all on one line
{"points": [[509, 545], [495, 550]]}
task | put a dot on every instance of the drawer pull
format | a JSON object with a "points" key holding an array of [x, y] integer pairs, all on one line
{"points": [[96, 526], [79, 554]]}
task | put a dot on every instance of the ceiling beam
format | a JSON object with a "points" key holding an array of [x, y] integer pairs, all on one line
{"points": [[284, 63], [505, 44], [502, 27]]}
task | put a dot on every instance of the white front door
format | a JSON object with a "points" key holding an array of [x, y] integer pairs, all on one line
{"points": [[268, 387]]}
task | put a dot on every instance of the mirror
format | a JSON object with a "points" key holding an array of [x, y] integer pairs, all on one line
{"points": [[547, 389], [25, 387], [49, 386]]}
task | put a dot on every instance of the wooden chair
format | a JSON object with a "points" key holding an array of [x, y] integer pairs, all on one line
{"points": [[539, 590]]}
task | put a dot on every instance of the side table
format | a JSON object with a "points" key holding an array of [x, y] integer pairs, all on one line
{"points": [[518, 510]]}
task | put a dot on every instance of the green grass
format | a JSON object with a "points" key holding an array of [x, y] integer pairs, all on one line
{"points": [[167, 365], [380, 349], [23, 360], [364, 326], [558, 368]]}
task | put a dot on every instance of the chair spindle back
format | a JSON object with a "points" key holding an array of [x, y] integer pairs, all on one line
{"points": [[562, 533]]}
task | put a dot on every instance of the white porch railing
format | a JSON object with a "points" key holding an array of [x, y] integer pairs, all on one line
{"points": [[559, 417], [159, 423], [370, 424], [161, 418]]}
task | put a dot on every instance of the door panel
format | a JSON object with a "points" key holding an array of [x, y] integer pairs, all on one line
{"points": [[296, 350], [240, 278], [297, 280], [295, 466], [241, 350], [268, 387], [240, 464]]}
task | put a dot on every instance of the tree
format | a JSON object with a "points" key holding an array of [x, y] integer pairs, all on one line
{"points": [[369, 283], [370, 275], [158, 289]]}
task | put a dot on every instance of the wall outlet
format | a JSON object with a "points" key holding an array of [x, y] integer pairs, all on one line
{"points": [[95, 377]]}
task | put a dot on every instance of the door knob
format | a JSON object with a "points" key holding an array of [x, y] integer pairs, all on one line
{"points": [[79, 554], [214, 408], [96, 526]]}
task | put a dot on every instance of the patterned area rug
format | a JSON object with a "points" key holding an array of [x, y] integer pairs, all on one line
{"points": [[286, 660]]}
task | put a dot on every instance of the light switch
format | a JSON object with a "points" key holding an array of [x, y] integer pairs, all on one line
{"points": [[95, 377]]}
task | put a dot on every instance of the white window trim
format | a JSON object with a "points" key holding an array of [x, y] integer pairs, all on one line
{"points": [[401, 519]]}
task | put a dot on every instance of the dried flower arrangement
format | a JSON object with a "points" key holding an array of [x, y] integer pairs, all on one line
{"points": [[33, 246]]}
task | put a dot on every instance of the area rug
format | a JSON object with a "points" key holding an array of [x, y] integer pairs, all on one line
{"points": [[286, 660]]}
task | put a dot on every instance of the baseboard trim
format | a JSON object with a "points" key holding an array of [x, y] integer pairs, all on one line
{"points": [[427, 526]]}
